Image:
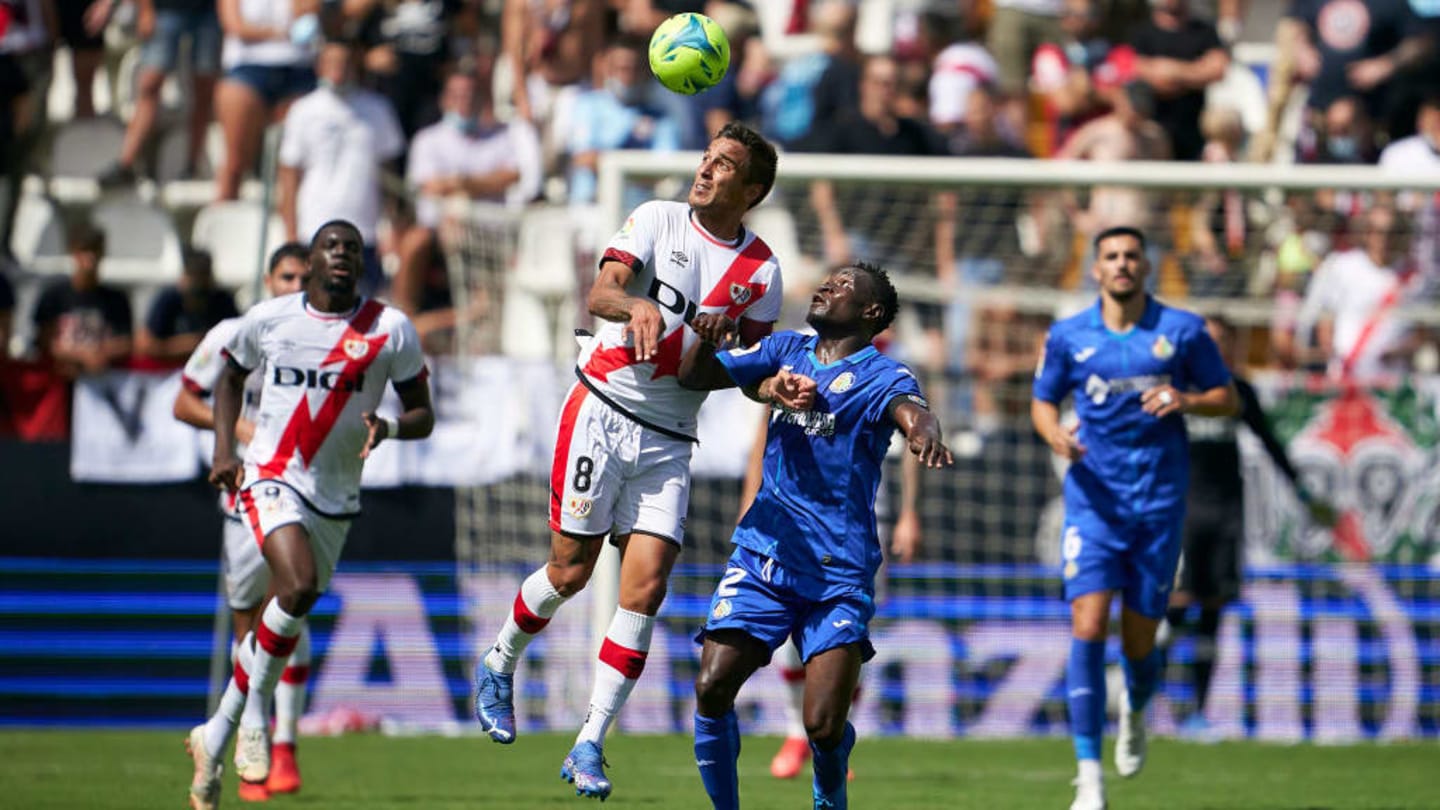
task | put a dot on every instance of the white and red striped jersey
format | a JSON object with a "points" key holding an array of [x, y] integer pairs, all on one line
{"points": [[322, 371], [685, 270], [202, 372]]}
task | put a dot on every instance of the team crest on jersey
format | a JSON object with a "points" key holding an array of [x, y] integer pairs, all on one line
{"points": [[580, 507], [722, 609], [739, 293], [1163, 349], [843, 383], [357, 348]]}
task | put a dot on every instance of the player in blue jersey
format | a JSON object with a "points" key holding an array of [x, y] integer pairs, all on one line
{"points": [[807, 549], [1134, 366]]}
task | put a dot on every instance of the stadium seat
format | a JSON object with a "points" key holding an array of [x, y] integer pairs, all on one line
{"points": [[525, 331], [80, 152], [545, 255], [229, 230], [60, 100], [141, 246], [37, 238], [776, 225]]}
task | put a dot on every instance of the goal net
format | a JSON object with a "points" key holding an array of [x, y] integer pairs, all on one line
{"points": [[973, 635]]}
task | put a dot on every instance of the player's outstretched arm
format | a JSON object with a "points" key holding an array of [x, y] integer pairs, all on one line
{"points": [[226, 471], [922, 432], [609, 300], [700, 370], [416, 420]]}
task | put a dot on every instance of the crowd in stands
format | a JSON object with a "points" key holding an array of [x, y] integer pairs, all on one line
{"points": [[384, 108]]}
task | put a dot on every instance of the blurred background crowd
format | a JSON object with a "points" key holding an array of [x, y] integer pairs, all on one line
{"points": [[147, 145]]}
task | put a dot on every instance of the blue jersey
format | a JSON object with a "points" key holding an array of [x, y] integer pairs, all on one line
{"points": [[815, 512], [1135, 465]]}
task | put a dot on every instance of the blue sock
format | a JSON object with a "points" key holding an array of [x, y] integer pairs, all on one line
{"points": [[1141, 677], [717, 748], [832, 768], [1085, 693]]}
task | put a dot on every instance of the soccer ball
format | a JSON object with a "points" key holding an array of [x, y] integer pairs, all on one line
{"points": [[689, 53]]}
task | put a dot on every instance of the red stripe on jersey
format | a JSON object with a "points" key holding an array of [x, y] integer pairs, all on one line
{"points": [[735, 291], [194, 387], [562, 452], [304, 434], [667, 358], [242, 678], [252, 516], [624, 660], [630, 260], [525, 618], [296, 675], [274, 643]]}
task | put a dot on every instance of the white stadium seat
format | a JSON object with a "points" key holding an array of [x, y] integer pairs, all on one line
{"points": [[141, 246], [232, 233], [37, 238]]}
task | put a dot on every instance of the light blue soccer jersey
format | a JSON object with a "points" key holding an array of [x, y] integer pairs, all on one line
{"points": [[815, 512], [1135, 465]]}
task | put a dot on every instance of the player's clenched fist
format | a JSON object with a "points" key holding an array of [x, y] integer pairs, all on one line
{"points": [[644, 328], [227, 474], [1065, 442], [379, 432], [713, 327], [789, 390]]}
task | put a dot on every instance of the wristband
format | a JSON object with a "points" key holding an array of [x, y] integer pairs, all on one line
{"points": [[392, 427]]}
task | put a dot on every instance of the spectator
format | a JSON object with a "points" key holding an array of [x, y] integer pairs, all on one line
{"points": [[181, 315], [1345, 135], [617, 114], [1017, 29], [549, 45], [409, 46], [1179, 56], [1349, 305], [25, 64], [813, 89], [266, 68], [82, 325], [161, 25], [336, 139], [958, 64], [1222, 241], [468, 153], [1078, 75], [1415, 156], [81, 25]]}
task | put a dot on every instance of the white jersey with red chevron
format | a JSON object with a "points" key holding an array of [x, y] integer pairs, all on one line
{"points": [[322, 371], [685, 270], [202, 372]]}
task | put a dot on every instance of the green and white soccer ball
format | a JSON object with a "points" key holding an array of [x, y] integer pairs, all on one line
{"points": [[689, 53]]}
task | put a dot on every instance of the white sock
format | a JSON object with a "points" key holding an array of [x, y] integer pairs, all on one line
{"points": [[222, 724], [1090, 771], [622, 659], [275, 638], [792, 671], [290, 692], [536, 602]]}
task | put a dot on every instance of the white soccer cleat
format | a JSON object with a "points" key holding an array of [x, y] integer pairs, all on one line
{"points": [[252, 754], [1130, 740], [1089, 795], [205, 785]]}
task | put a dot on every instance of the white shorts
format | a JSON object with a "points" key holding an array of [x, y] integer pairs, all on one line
{"points": [[612, 475], [268, 505], [247, 577]]}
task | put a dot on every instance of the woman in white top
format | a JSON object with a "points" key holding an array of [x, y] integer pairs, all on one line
{"points": [[268, 61]]}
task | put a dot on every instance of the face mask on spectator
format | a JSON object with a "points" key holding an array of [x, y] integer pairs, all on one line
{"points": [[340, 89], [468, 126], [626, 93], [1345, 148]]}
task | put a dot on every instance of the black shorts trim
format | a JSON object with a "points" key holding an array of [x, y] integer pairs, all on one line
{"points": [[585, 381], [308, 505]]}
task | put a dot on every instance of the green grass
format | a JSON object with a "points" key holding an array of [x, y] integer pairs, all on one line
{"points": [[119, 770]]}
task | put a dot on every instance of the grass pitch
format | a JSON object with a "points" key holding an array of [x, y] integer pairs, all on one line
{"points": [[121, 770]]}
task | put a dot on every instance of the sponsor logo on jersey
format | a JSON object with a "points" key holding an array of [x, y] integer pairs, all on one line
{"points": [[1084, 354], [627, 227], [1099, 389], [678, 257], [1163, 349], [314, 378], [815, 423], [740, 293], [672, 299], [722, 609], [843, 383], [357, 348], [840, 623], [580, 507]]}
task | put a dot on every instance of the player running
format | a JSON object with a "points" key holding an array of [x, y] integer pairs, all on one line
{"points": [[328, 354], [1135, 366], [622, 449], [807, 550], [246, 578]]}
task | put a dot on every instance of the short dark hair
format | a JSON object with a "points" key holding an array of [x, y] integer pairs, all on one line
{"points": [[334, 223], [193, 259], [289, 250], [885, 294], [1119, 230], [760, 168], [85, 236]]}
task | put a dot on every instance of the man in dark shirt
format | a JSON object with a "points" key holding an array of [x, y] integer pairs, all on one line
{"points": [[81, 325], [181, 315], [1179, 56], [1349, 47], [1214, 519]]}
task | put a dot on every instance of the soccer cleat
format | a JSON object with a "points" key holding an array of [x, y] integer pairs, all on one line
{"points": [[585, 769], [791, 757], [284, 771], [1089, 795], [1129, 739], [1197, 729], [205, 785], [494, 703], [253, 792], [252, 755]]}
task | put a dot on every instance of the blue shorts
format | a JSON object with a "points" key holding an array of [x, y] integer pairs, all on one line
{"points": [[759, 598], [274, 83], [162, 50], [1137, 558]]}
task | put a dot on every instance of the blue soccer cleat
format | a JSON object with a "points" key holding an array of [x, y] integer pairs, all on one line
{"points": [[585, 769], [495, 703]]}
